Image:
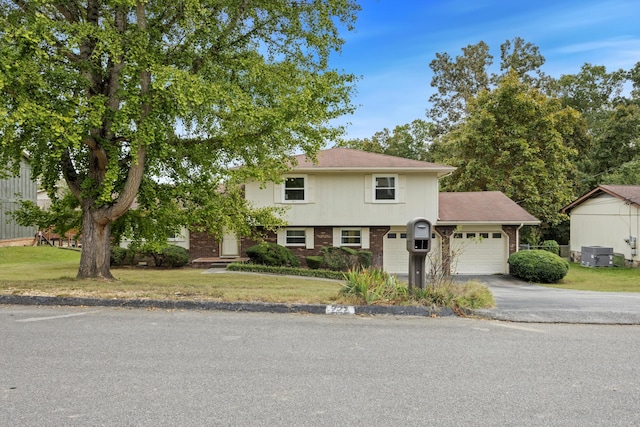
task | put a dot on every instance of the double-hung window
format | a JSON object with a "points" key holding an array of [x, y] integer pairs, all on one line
{"points": [[294, 189], [385, 188], [295, 237], [351, 237]]}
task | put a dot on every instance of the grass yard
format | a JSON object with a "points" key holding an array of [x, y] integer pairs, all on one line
{"points": [[50, 271], [610, 279]]}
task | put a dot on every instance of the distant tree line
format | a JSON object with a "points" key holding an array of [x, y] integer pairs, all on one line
{"points": [[541, 140]]}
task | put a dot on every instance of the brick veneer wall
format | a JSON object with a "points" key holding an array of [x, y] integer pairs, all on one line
{"points": [[207, 245], [203, 245], [512, 232]]}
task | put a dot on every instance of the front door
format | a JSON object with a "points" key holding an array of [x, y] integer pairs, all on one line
{"points": [[230, 245]]}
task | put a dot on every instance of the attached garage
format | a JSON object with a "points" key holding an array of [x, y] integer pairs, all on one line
{"points": [[395, 254], [479, 252]]}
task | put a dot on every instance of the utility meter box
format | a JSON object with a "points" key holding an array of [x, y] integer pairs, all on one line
{"points": [[419, 236]]}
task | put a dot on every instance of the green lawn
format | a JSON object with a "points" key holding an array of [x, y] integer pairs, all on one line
{"points": [[51, 272], [609, 279]]}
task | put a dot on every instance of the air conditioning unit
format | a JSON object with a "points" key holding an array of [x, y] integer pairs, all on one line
{"points": [[596, 256]]}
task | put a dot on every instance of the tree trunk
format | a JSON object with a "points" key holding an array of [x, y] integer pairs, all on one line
{"points": [[95, 261]]}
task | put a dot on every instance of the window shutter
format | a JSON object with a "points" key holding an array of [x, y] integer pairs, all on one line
{"points": [[311, 188], [402, 185], [278, 192], [337, 237], [368, 191], [309, 238], [282, 236], [364, 238]]}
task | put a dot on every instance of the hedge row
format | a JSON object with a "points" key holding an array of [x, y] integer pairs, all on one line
{"points": [[287, 271]]}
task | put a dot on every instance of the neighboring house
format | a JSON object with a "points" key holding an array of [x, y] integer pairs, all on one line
{"points": [[364, 200], [25, 188], [607, 216]]}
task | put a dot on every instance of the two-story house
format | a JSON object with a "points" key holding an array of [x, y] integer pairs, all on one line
{"points": [[364, 200]]}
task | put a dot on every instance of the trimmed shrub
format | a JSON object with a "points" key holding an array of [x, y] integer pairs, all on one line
{"points": [[538, 266], [288, 271], [175, 256], [550, 246], [121, 256], [345, 258], [170, 256], [272, 254], [314, 262]]}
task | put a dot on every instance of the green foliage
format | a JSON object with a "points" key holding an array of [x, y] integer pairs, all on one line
{"points": [[272, 254], [550, 246], [63, 214], [538, 266], [172, 256], [288, 271], [514, 141], [374, 286], [95, 96], [410, 141], [344, 258], [121, 256], [459, 80], [314, 262]]}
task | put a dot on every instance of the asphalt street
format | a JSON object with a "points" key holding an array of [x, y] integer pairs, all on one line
{"points": [[519, 301], [68, 366]]}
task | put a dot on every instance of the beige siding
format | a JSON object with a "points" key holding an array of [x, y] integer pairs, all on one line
{"points": [[605, 221], [344, 199]]}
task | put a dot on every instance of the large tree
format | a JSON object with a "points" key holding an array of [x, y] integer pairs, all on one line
{"points": [[459, 80], [410, 141], [515, 140], [152, 101]]}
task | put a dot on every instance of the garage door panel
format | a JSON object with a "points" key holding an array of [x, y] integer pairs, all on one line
{"points": [[479, 253]]}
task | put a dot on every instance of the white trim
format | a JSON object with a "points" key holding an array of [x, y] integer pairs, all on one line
{"points": [[305, 189], [374, 187]]}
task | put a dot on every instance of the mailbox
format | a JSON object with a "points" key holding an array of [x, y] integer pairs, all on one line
{"points": [[418, 245], [418, 235]]}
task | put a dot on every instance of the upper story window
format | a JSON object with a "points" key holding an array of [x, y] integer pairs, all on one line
{"points": [[385, 188], [294, 189]]}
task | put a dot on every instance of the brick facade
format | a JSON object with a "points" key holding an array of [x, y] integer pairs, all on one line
{"points": [[207, 245], [512, 232], [203, 245]]}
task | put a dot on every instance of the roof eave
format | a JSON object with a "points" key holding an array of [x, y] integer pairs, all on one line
{"points": [[509, 222], [439, 171]]}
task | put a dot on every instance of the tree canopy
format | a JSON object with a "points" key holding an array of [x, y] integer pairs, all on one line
{"points": [[410, 141], [514, 141], [126, 100]]}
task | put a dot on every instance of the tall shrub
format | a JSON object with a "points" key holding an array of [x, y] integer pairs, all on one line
{"points": [[538, 266]]}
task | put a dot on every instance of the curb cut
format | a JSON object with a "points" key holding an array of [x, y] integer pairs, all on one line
{"points": [[227, 306]]}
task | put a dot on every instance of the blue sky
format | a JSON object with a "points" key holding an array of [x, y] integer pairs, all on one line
{"points": [[395, 40]]}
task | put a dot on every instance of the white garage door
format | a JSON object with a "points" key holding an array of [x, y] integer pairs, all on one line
{"points": [[479, 253], [395, 254]]}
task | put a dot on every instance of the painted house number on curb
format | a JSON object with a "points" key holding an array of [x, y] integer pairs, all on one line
{"points": [[340, 309]]}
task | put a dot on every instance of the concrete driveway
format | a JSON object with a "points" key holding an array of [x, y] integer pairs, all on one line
{"points": [[519, 301]]}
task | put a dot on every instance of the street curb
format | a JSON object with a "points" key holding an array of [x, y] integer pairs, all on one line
{"points": [[228, 306]]}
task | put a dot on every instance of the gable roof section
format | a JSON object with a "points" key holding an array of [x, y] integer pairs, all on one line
{"points": [[347, 159], [626, 193], [481, 207]]}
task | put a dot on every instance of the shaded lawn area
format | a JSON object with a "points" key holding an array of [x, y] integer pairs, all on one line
{"points": [[604, 279], [49, 271]]}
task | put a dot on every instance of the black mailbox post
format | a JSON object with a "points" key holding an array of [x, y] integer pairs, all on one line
{"points": [[418, 245]]}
